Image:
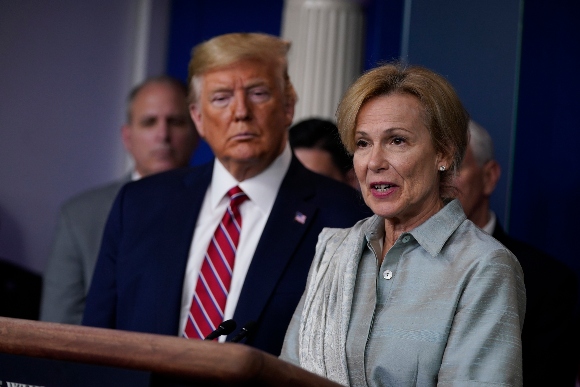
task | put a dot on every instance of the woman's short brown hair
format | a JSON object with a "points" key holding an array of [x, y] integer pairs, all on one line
{"points": [[445, 116]]}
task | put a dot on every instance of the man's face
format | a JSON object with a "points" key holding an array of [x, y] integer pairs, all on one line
{"points": [[469, 182], [160, 135], [243, 114], [319, 161], [475, 184]]}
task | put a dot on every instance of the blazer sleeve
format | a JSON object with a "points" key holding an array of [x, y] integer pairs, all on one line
{"points": [[484, 344], [63, 293]]}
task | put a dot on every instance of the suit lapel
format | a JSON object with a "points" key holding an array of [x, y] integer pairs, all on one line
{"points": [[499, 233], [289, 220], [177, 226]]}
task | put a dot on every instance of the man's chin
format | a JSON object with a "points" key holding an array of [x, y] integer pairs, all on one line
{"points": [[163, 166]]}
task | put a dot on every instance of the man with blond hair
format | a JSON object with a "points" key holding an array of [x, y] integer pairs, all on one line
{"points": [[234, 238]]}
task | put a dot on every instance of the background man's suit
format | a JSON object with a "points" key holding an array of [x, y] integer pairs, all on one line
{"points": [[139, 276], [549, 325], [74, 253]]}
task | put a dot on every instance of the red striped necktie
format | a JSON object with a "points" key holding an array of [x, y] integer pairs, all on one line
{"points": [[213, 285]]}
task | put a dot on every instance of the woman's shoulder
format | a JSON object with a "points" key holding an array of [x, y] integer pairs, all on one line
{"points": [[481, 246], [339, 242], [334, 233]]}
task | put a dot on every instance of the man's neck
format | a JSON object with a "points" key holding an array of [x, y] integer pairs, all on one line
{"points": [[481, 216]]}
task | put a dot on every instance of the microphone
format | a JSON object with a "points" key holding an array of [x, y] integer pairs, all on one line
{"points": [[244, 332], [225, 328]]}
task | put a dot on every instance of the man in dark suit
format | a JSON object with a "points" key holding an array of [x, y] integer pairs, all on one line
{"points": [[549, 329], [155, 241], [159, 136]]}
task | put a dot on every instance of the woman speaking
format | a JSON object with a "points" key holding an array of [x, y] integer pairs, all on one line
{"points": [[416, 294]]}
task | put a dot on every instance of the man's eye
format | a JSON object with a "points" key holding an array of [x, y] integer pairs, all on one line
{"points": [[398, 140], [259, 95], [220, 100], [148, 122], [177, 121]]}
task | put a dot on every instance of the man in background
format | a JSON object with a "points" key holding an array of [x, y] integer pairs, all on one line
{"points": [[236, 237], [316, 143], [549, 329], [159, 135]]}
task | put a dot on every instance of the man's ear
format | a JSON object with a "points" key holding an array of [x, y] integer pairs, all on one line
{"points": [[195, 114], [491, 175], [290, 100], [289, 110], [126, 137]]}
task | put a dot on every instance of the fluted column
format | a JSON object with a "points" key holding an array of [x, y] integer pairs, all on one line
{"points": [[326, 53]]}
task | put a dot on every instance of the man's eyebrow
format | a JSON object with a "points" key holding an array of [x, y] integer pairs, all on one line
{"points": [[219, 89]]}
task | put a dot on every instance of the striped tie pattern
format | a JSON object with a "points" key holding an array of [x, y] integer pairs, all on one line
{"points": [[211, 292]]}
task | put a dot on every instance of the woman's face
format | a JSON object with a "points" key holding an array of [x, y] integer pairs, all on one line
{"points": [[395, 160]]}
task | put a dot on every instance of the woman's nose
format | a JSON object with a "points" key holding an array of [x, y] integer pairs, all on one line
{"points": [[378, 159]]}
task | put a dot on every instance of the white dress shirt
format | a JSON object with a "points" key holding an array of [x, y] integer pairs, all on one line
{"points": [[261, 191], [490, 226]]}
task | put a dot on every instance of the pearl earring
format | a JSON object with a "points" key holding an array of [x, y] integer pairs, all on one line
{"points": [[442, 168]]}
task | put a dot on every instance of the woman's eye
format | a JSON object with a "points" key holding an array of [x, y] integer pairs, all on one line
{"points": [[362, 143], [398, 140]]}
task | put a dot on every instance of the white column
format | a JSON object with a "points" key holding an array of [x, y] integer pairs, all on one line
{"points": [[326, 53]]}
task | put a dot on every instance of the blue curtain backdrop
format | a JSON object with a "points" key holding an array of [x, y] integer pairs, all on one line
{"points": [[545, 207]]}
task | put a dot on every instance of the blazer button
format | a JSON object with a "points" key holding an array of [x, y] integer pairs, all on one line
{"points": [[387, 274]]}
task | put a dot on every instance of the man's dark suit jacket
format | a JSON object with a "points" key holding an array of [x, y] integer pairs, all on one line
{"points": [[548, 336], [139, 276]]}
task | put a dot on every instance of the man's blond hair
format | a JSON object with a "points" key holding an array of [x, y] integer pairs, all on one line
{"points": [[225, 50]]}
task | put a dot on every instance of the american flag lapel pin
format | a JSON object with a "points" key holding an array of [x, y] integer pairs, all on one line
{"points": [[300, 217]]}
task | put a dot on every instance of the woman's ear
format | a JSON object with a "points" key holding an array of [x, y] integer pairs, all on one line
{"points": [[444, 160]]}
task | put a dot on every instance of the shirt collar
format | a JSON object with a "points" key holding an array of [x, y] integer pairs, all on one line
{"points": [[432, 234], [490, 226], [261, 189]]}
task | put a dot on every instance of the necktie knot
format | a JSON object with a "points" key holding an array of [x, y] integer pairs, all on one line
{"points": [[237, 196]]}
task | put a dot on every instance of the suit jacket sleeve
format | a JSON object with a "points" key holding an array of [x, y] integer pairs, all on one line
{"points": [[74, 253], [63, 292]]}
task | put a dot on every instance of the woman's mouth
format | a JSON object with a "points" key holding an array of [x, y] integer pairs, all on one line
{"points": [[381, 187]]}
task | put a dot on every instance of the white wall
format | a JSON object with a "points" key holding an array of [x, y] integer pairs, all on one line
{"points": [[66, 67]]}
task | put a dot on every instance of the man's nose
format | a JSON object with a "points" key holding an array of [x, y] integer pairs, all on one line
{"points": [[241, 108], [162, 130]]}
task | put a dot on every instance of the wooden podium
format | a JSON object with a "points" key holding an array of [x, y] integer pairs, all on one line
{"points": [[166, 360]]}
